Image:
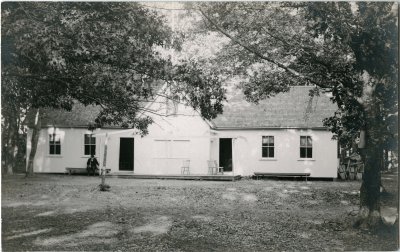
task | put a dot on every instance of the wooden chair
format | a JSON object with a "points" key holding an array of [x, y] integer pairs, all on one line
{"points": [[213, 168], [220, 169], [185, 167]]}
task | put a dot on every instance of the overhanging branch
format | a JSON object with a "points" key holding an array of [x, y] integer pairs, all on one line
{"points": [[260, 55]]}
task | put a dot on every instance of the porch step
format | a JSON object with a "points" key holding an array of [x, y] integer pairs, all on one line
{"points": [[178, 177]]}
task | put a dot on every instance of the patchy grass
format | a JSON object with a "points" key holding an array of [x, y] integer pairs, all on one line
{"points": [[70, 213]]}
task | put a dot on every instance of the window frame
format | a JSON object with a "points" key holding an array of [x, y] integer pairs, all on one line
{"points": [[178, 155], [308, 147], [91, 136], [169, 152], [268, 146], [53, 143]]}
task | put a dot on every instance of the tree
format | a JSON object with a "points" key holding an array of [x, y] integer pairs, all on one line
{"points": [[57, 54], [348, 49], [13, 130]]}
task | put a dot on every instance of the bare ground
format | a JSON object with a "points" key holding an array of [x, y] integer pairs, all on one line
{"points": [[50, 212]]}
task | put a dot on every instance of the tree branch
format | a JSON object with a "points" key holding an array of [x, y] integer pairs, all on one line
{"points": [[258, 54]]}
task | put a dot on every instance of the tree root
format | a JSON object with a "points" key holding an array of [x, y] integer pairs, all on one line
{"points": [[104, 187], [373, 221]]}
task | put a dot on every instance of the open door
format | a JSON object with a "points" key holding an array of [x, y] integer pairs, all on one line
{"points": [[126, 150], [225, 154]]}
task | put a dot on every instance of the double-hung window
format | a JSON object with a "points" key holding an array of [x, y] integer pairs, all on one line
{"points": [[305, 147], [90, 144], [268, 147], [54, 144]]}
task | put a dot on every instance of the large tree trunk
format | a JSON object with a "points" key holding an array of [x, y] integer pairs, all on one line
{"points": [[34, 143], [14, 137], [11, 150], [370, 188], [5, 133], [10, 143], [20, 146], [372, 155]]}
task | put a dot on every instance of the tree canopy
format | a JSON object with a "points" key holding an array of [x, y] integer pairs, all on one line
{"points": [[96, 53], [334, 46], [347, 49], [107, 54]]}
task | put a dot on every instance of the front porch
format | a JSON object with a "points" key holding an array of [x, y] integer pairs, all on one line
{"points": [[219, 177]]}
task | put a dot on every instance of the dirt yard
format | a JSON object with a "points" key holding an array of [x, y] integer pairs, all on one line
{"points": [[50, 212]]}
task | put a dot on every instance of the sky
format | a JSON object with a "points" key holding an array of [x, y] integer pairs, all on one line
{"points": [[181, 20]]}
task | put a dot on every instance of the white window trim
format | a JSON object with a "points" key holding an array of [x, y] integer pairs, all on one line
{"points": [[169, 150], [312, 147], [48, 146], [83, 144], [274, 158]]}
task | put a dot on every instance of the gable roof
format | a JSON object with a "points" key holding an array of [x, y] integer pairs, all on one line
{"points": [[293, 109], [79, 116]]}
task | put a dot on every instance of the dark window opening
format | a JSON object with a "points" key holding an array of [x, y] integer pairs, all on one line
{"points": [[305, 147], [90, 144], [55, 144], [268, 147]]}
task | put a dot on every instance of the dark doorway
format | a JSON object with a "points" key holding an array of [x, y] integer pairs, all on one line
{"points": [[225, 154], [126, 147]]}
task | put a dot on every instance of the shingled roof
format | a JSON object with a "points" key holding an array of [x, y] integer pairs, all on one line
{"points": [[293, 109], [79, 116]]}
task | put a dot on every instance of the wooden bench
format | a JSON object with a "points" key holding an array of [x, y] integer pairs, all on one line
{"points": [[259, 175], [78, 170], [108, 170], [73, 170]]}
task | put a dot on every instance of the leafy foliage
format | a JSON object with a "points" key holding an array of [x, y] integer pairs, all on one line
{"points": [[96, 53], [347, 49], [371, 35], [55, 54], [334, 46]]}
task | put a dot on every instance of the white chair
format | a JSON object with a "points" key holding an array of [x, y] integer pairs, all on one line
{"points": [[212, 167], [220, 169], [185, 167]]}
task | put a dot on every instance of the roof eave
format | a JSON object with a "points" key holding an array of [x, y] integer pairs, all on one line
{"points": [[270, 127], [74, 126]]}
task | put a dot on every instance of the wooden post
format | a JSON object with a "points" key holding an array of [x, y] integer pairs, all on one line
{"points": [[103, 168]]}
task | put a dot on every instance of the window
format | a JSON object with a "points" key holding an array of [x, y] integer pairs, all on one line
{"points": [[171, 148], [90, 144], [268, 148], [54, 144], [305, 147], [180, 148]]}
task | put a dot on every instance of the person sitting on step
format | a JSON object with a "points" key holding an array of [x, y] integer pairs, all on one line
{"points": [[92, 165]]}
